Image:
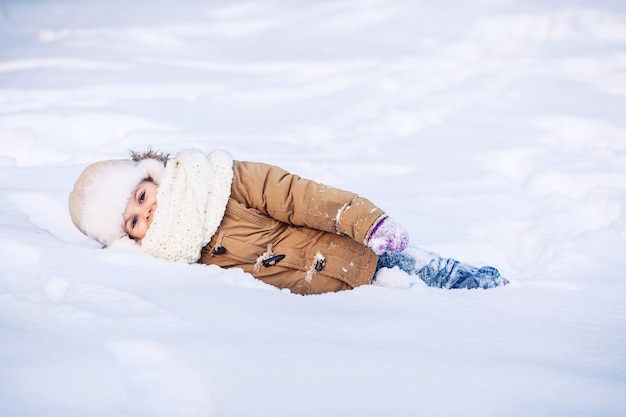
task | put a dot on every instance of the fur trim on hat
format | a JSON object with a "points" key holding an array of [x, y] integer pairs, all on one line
{"points": [[150, 154], [101, 194]]}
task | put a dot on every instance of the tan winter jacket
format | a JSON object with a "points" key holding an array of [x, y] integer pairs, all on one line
{"points": [[294, 233]]}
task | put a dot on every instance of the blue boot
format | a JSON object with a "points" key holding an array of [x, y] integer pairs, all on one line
{"points": [[451, 274], [440, 272]]}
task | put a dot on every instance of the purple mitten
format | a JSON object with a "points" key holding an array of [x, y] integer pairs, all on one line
{"points": [[388, 236]]}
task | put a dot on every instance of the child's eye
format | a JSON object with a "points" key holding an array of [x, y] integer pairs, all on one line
{"points": [[142, 197], [133, 223]]}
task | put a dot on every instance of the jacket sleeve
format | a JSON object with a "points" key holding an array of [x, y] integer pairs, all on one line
{"points": [[290, 199]]}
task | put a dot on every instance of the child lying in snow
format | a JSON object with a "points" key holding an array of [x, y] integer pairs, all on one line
{"points": [[284, 230]]}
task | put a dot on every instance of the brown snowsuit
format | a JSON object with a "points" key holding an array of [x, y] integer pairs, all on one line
{"points": [[294, 233]]}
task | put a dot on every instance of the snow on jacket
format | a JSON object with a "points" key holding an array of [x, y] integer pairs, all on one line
{"points": [[284, 230], [294, 233]]}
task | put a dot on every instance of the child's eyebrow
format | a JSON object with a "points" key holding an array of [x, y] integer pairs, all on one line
{"points": [[135, 195], [126, 220], [126, 224]]}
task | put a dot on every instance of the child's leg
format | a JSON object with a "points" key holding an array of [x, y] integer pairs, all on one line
{"points": [[440, 272]]}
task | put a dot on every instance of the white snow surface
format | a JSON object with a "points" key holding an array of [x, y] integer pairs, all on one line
{"points": [[493, 130]]}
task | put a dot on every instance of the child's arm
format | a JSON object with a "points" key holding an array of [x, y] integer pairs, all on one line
{"points": [[288, 198]]}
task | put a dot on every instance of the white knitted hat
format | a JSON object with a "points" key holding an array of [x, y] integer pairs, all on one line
{"points": [[101, 192]]}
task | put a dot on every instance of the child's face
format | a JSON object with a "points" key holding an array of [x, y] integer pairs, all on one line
{"points": [[140, 209]]}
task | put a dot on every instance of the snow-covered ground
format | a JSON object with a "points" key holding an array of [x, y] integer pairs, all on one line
{"points": [[494, 130]]}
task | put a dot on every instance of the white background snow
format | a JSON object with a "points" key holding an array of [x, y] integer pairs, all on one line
{"points": [[494, 130]]}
